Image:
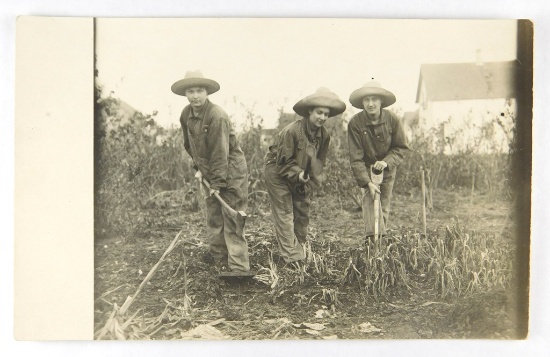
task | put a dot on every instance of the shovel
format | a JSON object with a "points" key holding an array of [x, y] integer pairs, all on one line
{"points": [[302, 186], [238, 217], [311, 155], [377, 176]]}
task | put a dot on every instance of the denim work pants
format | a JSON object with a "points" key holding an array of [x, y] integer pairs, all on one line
{"points": [[386, 189], [290, 214], [224, 242]]}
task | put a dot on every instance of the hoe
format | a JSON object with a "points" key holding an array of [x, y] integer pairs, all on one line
{"points": [[238, 217]]}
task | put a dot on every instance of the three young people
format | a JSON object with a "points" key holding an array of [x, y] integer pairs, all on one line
{"points": [[293, 166]]}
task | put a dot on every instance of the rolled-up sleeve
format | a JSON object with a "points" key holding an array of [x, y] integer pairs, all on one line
{"points": [[356, 155]]}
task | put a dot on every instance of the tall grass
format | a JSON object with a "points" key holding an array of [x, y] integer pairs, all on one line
{"points": [[454, 261]]}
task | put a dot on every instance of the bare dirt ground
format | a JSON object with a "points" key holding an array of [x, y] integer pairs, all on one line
{"points": [[320, 305]]}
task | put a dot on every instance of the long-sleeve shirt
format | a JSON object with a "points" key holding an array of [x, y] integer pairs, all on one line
{"points": [[290, 149], [368, 143], [209, 138]]}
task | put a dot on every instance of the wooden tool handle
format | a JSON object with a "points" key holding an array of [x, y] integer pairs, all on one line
{"points": [[308, 168], [218, 197]]}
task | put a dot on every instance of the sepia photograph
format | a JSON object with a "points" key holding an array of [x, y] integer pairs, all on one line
{"points": [[311, 179]]}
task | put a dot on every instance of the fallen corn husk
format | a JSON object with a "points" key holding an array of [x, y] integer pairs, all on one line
{"points": [[204, 332], [367, 327], [311, 326], [115, 326]]}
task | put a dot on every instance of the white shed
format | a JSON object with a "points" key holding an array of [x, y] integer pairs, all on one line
{"points": [[470, 105]]}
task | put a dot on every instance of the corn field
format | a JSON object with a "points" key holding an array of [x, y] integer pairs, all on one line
{"points": [[144, 187], [141, 166]]}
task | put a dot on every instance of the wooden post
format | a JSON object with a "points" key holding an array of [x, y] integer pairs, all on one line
{"points": [[376, 216], [423, 201]]}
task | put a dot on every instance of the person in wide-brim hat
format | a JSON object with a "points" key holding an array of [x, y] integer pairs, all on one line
{"points": [[294, 167], [371, 88], [376, 143], [321, 98], [195, 79], [207, 132]]}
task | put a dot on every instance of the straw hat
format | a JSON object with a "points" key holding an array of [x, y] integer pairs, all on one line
{"points": [[371, 88], [195, 79], [321, 98]]}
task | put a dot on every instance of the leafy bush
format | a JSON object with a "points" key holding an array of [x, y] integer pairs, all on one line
{"points": [[136, 162]]}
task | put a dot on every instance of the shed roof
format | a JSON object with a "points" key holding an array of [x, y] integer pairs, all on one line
{"points": [[462, 81]]}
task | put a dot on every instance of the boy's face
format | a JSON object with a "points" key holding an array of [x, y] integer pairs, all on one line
{"points": [[196, 96], [372, 104]]}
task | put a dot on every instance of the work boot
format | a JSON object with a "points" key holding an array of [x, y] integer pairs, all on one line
{"points": [[226, 272]]}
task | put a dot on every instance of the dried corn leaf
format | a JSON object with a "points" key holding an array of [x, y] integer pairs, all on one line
{"points": [[313, 332], [322, 313], [204, 332], [307, 325], [367, 327], [118, 331]]}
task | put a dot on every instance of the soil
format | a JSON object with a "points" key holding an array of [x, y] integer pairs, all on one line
{"points": [[186, 293]]}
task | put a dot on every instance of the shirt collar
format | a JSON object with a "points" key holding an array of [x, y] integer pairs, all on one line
{"points": [[202, 110], [383, 117], [310, 133]]}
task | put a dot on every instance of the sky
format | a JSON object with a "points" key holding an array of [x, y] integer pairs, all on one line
{"points": [[263, 65]]}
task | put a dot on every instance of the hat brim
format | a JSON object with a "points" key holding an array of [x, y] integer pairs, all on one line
{"points": [[332, 102], [356, 98], [182, 85]]}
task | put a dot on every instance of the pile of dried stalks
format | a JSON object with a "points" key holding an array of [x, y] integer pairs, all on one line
{"points": [[121, 327]]}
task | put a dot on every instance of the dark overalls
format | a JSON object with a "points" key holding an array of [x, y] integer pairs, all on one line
{"points": [[210, 140], [290, 200]]}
